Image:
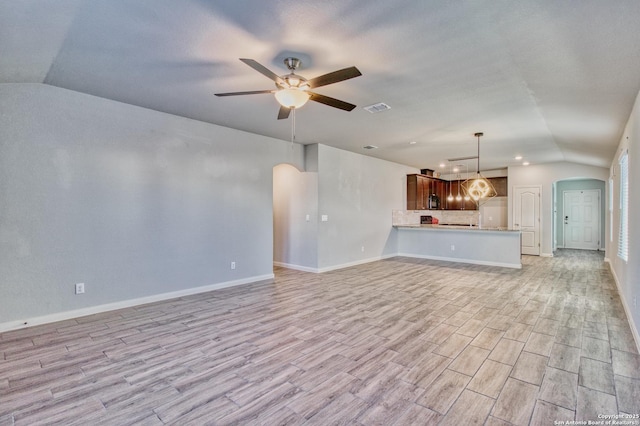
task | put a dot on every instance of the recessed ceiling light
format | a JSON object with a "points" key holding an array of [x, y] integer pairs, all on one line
{"points": [[442, 165], [413, 143], [526, 163], [518, 157]]}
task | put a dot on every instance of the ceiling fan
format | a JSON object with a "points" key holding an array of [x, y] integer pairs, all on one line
{"points": [[292, 90]]}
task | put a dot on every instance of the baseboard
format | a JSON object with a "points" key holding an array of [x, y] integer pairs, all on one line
{"points": [[355, 263], [76, 313], [627, 311], [334, 267], [459, 260], [295, 267]]}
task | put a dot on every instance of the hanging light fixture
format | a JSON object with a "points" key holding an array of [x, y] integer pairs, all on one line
{"points": [[479, 189], [466, 178], [293, 88], [458, 197], [450, 197]]}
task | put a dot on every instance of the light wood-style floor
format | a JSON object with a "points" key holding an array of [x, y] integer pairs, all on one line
{"points": [[395, 342]]}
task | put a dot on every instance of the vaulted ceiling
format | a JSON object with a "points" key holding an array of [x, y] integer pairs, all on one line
{"points": [[545, 79]]}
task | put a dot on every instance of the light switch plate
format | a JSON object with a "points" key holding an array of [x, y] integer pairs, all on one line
{"points": [[325, 218]]}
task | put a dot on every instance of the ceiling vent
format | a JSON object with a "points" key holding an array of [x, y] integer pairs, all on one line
{"points": [[375, 108], [370, 147]]}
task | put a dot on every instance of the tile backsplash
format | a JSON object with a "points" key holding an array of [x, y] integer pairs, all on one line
{"points": [[412, 217]]}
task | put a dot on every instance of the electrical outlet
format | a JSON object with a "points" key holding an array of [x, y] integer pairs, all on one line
{"points": [[79, 288], [324, 218], [233, 265], [453, 248], [307, 218], [362, 249]]}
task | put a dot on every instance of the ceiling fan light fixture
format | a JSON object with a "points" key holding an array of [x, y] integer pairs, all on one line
{"points": [[292, 90], [292, 98]]}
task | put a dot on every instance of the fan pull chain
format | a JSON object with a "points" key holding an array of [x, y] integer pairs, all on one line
{"points": [[293, 127]]}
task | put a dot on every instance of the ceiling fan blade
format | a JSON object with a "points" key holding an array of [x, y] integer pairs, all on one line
{"points": [[336, 103], [253, 92], [262, 69], [283, 113], [334, 77]]}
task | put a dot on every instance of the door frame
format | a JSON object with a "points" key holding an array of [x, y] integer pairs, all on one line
{"points": [[515, 188]]}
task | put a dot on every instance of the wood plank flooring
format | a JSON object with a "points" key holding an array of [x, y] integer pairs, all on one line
{"points": [[395, 342]]}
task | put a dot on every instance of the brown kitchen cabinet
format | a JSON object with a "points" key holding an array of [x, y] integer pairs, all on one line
{"points": [[452, 187], [500, 185], [419, 187]]}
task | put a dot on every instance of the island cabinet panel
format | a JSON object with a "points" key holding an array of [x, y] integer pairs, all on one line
{"points": [[475, 245]]}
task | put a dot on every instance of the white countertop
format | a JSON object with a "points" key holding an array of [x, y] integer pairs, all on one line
{"points": [[456, 228]]}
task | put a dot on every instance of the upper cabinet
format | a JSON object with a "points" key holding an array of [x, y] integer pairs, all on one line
{"points": [[424, 192], [500, 185], [430, 193]]}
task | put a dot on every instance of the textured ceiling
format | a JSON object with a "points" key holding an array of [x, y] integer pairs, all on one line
{"points": [[546, 79]]}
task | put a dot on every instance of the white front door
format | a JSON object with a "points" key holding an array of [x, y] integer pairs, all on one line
{"points": [[526, 217], [582, 219]]}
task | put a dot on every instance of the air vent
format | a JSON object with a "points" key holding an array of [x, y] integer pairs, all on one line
{"points": [[375, 108], [370, 147]]}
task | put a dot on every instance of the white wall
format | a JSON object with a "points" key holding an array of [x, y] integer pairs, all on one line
{"points": [[357, 193], [545, 175], [627, 273], [130, 201], [493, 213]]}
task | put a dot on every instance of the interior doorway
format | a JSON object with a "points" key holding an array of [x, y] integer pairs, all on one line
{"points": [[295, 208], [526, 217], [580, 214]]}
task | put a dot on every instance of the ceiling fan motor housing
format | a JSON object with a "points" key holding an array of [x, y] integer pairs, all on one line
{"points": [[292, 80]]}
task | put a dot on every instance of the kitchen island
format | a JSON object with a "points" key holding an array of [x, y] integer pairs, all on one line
{"points": [[461, 243]]}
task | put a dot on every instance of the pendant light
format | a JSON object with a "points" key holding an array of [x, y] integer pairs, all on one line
{"points": [[450, 197], [479, 189], [458, 197], [466, 178]]}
